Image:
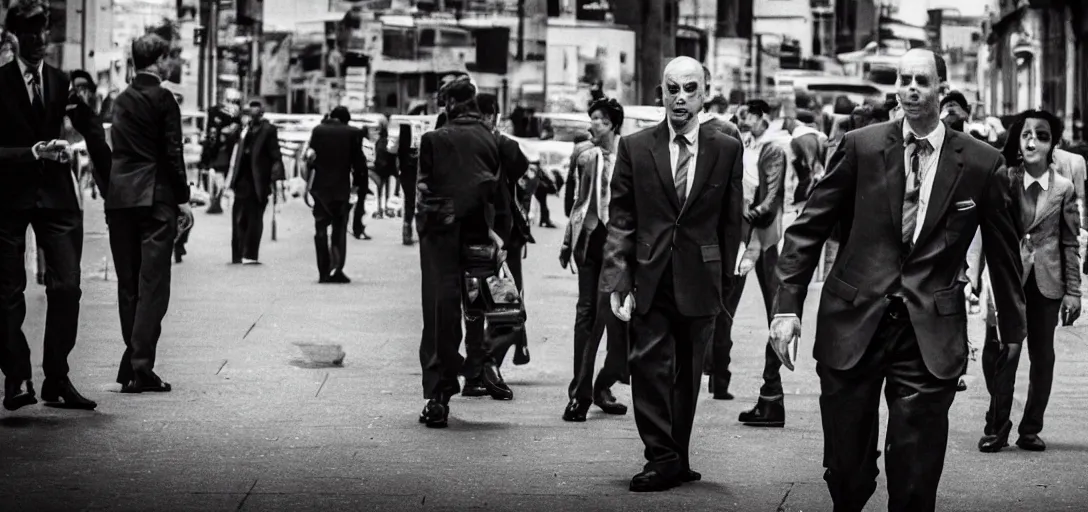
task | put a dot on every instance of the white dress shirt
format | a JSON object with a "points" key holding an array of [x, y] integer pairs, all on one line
{"points": [[692, 136], [605, 166], [927, 165], [1043, 181], [24, 68]]}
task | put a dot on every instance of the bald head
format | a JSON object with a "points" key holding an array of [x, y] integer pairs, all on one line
{"points": [[921, 73], [683, 88]]}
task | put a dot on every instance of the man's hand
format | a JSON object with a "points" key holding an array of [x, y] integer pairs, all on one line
{"points": [[1070, 310], [185, 219], [785, 331], [564, 257], [622, 306], [57, 150], [499, 245], [750, 215]]}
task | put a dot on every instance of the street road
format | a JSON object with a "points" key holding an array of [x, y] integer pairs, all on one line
{"points": [[250, 425]]}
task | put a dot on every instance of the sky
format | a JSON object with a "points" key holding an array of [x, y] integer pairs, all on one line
{"points": [[914, 11]]}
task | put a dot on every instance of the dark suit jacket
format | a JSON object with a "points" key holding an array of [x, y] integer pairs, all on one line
{"points": [[340, 162], [723, 126], [266, 162], [458, 168], [573, 178], [25, 182], [771, 192], [1049, 245], [863, 193], [148, 159], [649, 230], [513, 165]]}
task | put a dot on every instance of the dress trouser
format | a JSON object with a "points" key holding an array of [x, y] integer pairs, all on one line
{"points": [[721, 349], [331, 254], [917, 435], [440, 249], [479, 346], [60, 237], [358, 213], [666, 363], [248, 226], [141, 240], [768, 285], [593, 316], [1000, 361], [408, 173]]}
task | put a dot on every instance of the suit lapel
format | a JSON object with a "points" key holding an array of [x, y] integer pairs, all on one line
{"points": [[21, 99], [1050, 201], [1016, 195], [949, 171], [895, 179], [663, 162], [703, 166]]}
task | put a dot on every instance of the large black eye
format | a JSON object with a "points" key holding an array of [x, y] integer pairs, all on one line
{"points": [[673, 89], [923, 81], [691, 87], [1042, 136]]}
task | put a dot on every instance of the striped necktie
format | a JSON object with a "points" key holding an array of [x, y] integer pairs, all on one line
{"points": [[912, 193], [682, 161]]}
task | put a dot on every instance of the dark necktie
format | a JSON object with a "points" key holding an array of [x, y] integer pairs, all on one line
{"points": [[1032, 199], [36, 87], [912, 193], [682, 160]]}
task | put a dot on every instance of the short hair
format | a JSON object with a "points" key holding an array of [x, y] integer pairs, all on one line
{"points": [[459, 90], [27, 15], [79, 73], [759, 107], [167, 29], [341, 114], [611, 109], [256, 104], [148, 49], [1011, 150], [706, 77], [942, 67], [488, 103]]}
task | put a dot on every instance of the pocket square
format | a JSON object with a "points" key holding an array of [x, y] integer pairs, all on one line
{"points": [[962, 206]]}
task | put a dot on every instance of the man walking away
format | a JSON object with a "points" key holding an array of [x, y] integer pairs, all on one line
{"points": [[255, 166], [338, 168], [146, 200]]}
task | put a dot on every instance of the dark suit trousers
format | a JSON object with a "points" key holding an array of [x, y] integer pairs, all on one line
{"points": [[481, 346], [357, 215], [442, 280], [593, 316], [666, 363], [917, 436], [60, 237], [1000, 361], [331, 256], [720, 351], [142, 240], [772, 366], [408, 173], [247, 226]]}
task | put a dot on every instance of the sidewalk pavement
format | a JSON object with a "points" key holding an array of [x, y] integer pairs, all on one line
{"points": [[250, 425]]}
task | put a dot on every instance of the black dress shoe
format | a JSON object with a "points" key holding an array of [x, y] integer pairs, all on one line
{"points": [[521, 353], [607, 402], [18, 393], [435, 414], [766, 413], [61, 393], [690, 476], [576, 411], [723, 395], [1031, 443], [961, 386], [496, 386], [361, 235], [718, 394], [474, 387], [993, 443], [406, 234], [652, 481], [338, 277], [151, 384]]}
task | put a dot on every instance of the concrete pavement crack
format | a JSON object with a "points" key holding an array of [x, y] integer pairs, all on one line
{"points": [[221, 367], [322, 386], [254, 324], [248, 494], [782, 504]]}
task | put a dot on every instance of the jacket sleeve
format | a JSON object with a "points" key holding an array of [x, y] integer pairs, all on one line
{"points": [[359, 172], [772, 165], [16, 155], [572, 178], [831, 201], [1001, 245], [733, 230], [618, 268], [1069, 230], [175, 155], [274, 155]]}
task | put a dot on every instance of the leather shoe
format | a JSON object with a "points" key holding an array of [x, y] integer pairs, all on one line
{"points": [[576, 411], [474, 387], [61, 393], [607, 402], [766, 413], [652, 481], [521, 354], [717, 391], [18, 393], [961, 386], [151, 384], [690, 476], [993, 443], [338, 277], [495, 384], [435, 414], [1031, 443]]}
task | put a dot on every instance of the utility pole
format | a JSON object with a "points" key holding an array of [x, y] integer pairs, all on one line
{"points": [[521, 30], [83, 39]]}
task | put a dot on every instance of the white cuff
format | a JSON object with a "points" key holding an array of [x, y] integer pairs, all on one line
{"points": [[34, 150], [740, 257], [785, 315]]}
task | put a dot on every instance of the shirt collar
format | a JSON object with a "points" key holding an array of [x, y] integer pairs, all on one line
{"points": [[935, 137], [1044, 180], [690, 135], [24, 68]]}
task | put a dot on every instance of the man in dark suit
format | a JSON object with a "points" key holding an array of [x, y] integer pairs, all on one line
{"points": [[908, 196], [664, 262], [255, 167], [147, 198], [339, 167], [38, 188], [458, 172]]}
